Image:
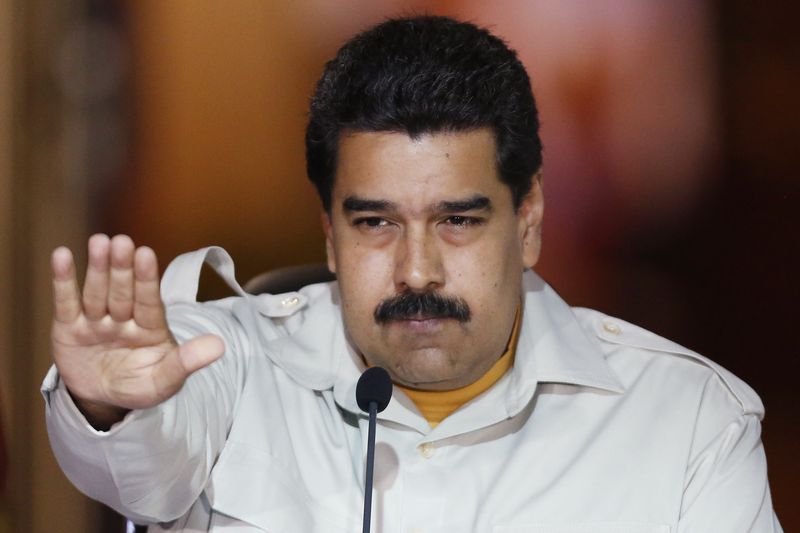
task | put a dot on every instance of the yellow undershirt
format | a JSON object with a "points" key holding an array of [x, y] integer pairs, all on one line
{"points": [[435, 406]]}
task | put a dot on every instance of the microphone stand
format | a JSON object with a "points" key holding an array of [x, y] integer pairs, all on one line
{"points": [[373, 393], [373, 414]]}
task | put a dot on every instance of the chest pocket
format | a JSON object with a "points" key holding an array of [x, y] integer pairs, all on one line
{"points": [[250, 490], [600, 527]]}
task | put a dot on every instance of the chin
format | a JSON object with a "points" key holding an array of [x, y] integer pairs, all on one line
{"points": [[420, 366], [427, 375]]}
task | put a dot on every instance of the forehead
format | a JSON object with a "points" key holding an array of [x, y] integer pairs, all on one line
{"points": [[415, 172]]}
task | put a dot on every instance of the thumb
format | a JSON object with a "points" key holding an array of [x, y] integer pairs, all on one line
{"points": [[190, 356], [199, 352]]}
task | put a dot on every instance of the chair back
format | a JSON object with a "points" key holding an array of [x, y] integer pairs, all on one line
{"points": [[289, 279]]}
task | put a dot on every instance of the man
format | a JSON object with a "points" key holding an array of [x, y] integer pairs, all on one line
{"points": [[514, 413]]}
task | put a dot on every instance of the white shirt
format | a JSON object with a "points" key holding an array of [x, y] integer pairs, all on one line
{"points": [[600, 426]]}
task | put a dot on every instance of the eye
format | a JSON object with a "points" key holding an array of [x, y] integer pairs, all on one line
{"points": [[462, 221], [371, 222]]}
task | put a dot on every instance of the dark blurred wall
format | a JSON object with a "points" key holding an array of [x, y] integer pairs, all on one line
{"points": [[745, 241], [730, 268], [46, 116]]}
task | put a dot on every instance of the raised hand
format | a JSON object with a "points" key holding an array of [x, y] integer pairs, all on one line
{"points": [[111, 343]]}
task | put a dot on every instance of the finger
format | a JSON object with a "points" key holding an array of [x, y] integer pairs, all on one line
{"points": [[190, 356], [120, 279], [148, 310], [66, 296], [95, 287]]}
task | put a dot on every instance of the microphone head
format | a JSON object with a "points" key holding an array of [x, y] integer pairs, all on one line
{"points": [[374, 385]]}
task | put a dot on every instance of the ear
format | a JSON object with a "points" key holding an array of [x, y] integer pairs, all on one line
{"points": [[327, 228], [529, 215]]}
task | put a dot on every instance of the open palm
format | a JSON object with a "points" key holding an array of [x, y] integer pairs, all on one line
{"points": [[111, 343]]}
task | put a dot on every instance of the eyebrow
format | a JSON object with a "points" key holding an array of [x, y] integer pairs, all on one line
{"points": [[356, 204], [476, 203]]}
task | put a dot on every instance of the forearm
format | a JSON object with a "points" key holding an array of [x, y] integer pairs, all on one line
{"points": [[152, 464]]}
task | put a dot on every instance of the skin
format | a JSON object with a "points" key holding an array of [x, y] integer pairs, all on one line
{"points": [[429, 214]]}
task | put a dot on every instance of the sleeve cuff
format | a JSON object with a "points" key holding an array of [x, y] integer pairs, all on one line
{"points": [[59, 403]]}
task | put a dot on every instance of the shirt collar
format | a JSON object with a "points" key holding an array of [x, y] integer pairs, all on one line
{"points": [[553, 347]]}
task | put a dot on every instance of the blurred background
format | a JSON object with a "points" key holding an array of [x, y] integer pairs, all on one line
{"points": [[671, 155]]}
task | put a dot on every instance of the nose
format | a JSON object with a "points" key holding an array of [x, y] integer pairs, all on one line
{"points": [[418, 262]]}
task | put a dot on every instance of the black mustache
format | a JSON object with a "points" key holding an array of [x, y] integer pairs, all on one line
{"points": [[425, 305]]}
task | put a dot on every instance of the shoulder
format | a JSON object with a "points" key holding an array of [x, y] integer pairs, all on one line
{"points": [[299, 332], [628, 347], [267, 315]]}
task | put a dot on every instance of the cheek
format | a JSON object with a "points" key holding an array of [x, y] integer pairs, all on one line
{"points": [[363, 265], [364, 278], [477, 280], [489, 261], [487, 277]]}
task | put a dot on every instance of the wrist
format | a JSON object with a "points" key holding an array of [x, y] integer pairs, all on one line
{"points": [[101, 416]]}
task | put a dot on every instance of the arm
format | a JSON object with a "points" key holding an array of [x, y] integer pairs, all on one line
{"points": [[726, 486], [115, 355]]}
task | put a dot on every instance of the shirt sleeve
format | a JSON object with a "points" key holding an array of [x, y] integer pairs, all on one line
{"points": [[726, 486], [154, 464]]}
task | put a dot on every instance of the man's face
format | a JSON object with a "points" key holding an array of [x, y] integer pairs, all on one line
{"points": [[428, 218]]}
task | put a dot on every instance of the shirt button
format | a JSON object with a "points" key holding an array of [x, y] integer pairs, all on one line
{"points": [[290, 301], [427, 450], [612, 328]]}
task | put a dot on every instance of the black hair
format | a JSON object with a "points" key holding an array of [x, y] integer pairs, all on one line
{"points": [[420, 75]]}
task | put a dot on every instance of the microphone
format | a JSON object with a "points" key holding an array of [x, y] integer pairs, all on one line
{"points": [[373, 392]]}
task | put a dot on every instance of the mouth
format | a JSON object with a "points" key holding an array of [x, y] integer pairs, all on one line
{"points": [[421, 323]]}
